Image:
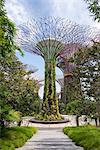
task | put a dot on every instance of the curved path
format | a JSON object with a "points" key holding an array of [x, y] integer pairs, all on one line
{"points": [[50, 139]]}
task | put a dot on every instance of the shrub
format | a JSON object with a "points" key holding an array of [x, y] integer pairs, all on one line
{"points": [[15, 137], [49, 117], [87, 136]]}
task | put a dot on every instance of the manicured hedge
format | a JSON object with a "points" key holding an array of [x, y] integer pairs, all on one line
{"points": [[87, 136], [15, 137]]}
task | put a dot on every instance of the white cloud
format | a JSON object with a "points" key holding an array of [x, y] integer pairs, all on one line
{"points": [[16, 11], [74, 10]]}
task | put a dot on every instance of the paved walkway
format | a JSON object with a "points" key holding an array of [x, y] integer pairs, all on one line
{"points": [[50, 139]]}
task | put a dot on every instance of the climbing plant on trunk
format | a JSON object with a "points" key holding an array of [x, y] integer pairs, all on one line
{"points": [[50, 102]]}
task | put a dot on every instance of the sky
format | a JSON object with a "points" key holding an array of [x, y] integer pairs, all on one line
{"points": [[20, 11]]}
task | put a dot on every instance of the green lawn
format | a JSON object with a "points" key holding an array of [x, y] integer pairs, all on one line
{"points": [[87, 136], [15, 137]]}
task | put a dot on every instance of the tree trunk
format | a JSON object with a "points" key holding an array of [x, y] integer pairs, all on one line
{"points": [[2, 123], [50, 102], [99, 121], [96, 122], [98, 111], [77, 120], [19, 123]]}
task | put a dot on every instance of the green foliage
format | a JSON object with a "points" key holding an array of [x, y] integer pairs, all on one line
{"points": [[50, 110], [49, 117], [75, 107], [87, 136], [87, 68], [18, 91], [79, 107], [89, 108], [94, 7], [29, 101], [49, 51], [13, 115], [15, 137], [4, 107], [7, 49], [7, 33], [87, 62]]}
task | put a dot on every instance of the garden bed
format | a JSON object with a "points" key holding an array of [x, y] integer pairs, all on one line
{"points": [[86, 136], [15, 137], [48, 122]]}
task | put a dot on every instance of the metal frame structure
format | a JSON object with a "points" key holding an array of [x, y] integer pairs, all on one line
{"points": [[51, 38]]}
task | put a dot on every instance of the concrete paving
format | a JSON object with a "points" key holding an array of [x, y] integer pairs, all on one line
{"points": [[50, 139]]}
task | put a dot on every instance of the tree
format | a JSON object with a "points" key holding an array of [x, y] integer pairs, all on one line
{"points": [[7, 49], [75, 108], [88, 66], [71, 88], [94, 7], [17, 93], [22, 91], [48, 37], [89, 109], [29, 102], [4, 108], [7, 33], [94, 69], [82, 107]]}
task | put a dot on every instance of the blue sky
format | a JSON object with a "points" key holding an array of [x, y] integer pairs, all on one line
{"points": [[20, 11]]}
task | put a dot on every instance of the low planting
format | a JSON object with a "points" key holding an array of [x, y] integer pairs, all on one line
{"points": [[49, 117], [85, 136], [14, 137]]}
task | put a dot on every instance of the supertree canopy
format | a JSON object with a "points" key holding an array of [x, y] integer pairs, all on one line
{"points": [[48, 38]]}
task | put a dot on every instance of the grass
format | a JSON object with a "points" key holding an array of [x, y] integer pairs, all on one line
{"points": [[15, 137], [85, 136]]}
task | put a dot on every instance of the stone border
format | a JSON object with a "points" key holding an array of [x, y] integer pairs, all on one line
{"points": [[48, 122]]}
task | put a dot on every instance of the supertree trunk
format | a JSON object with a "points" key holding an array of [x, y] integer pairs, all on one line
{"points": [[67, 88], [50, 102]]}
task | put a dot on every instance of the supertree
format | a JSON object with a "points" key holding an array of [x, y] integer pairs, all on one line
{"points": [[67, 68], [48, 38]]}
